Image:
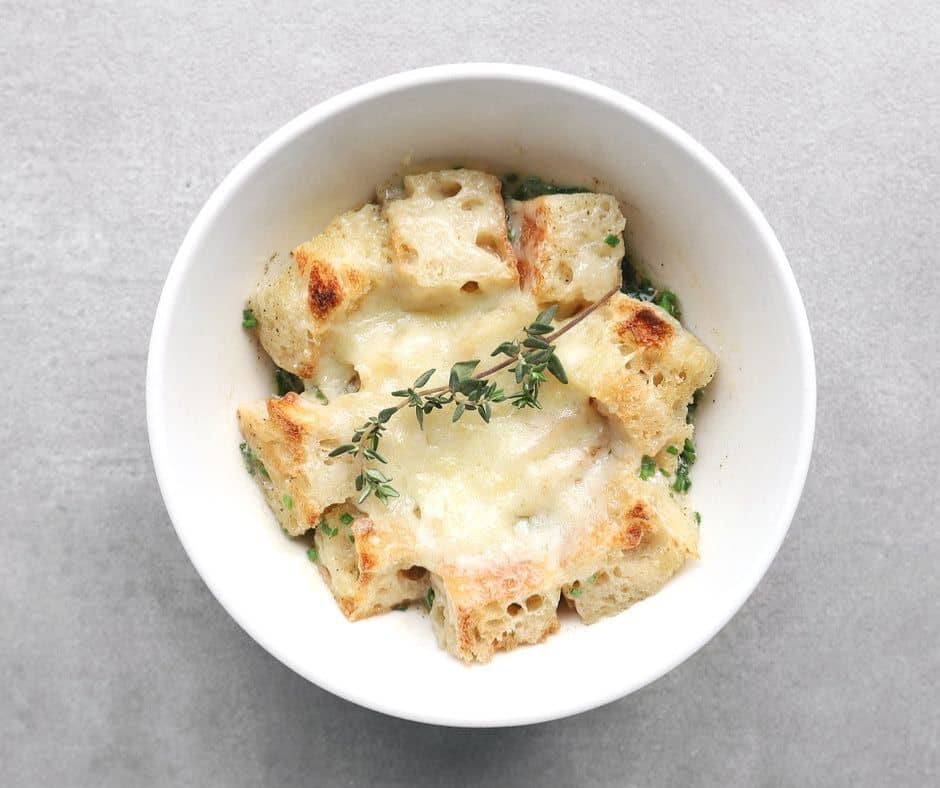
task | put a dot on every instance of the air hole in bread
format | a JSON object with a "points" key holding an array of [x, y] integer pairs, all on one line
{"points": [[533, 603], [416, 511], [488, 243], [414, 573], [657, 378], [450, 189], [565, 272], [514, 609], [470, 287], [354, 383], [470, 203]]}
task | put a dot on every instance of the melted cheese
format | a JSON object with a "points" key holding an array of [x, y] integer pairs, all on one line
{"points": [[473, 494]]}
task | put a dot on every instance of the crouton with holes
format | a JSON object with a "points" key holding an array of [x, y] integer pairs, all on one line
{"points": [[298, 301], [568, 246], [646, 540], [367, 563], [640, 367], [449, 237], [476, 613], [289, 439]]}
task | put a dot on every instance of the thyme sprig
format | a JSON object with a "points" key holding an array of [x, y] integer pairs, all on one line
{"points": [[529, 357]]}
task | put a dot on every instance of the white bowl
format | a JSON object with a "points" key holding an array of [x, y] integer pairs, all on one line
{"points": [[698, 232]]}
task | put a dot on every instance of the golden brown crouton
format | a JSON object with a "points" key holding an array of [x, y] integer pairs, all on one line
{"points": [[569, 246]]}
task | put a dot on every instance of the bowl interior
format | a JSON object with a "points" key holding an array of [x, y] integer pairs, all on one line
{"points": [[694, 230]]}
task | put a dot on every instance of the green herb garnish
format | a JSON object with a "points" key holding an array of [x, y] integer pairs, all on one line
{"points": [[667, 300], [346, 518], [325, 526], [593, 579], [612, 240], [285, 381], [287, 501], [647, 467], [698, 518], [313, 555], [532, 186], [685, 463], [575, 591], [693, 405], [429, 599], [248, 319], [673, 450], [644, 291], [252, 464]]}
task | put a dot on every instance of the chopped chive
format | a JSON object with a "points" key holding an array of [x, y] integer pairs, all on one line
{"points": [[575, 591], [330, 532], [673, 450], [345, 518], [647, 467], [352, 539], [313, 555], [429, 599], [698, 518], [612, 240], [593, 579], [248, 319], [667, 300], [287, 501]]}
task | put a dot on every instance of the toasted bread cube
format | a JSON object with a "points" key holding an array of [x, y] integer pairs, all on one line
{"points": [[475, 614], [296, 303], [366, 563], [448, 234], [652, 537], [641, 367], [291, 438], [568, 246]]}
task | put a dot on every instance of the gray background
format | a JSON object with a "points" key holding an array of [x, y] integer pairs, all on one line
{"points": [[119, 668]]}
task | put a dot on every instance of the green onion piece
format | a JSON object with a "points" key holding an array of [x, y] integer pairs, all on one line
{"points": [[647, 467], [313, 555], [575, 591], [429, 599], [345, 518], [248, 319], [698, 518], [288, 502], [612, 240]]}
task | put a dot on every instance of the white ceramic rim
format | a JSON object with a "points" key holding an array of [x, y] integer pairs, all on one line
{"points": [[156, 417]]}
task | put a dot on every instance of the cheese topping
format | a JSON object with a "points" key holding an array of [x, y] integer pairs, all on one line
{"points": [[474, 493]]}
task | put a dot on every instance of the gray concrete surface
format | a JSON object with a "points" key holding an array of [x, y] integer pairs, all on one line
{"points": [[118, 667]]}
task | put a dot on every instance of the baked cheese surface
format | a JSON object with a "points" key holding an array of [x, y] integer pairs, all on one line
{"points": [[494, 522]]}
